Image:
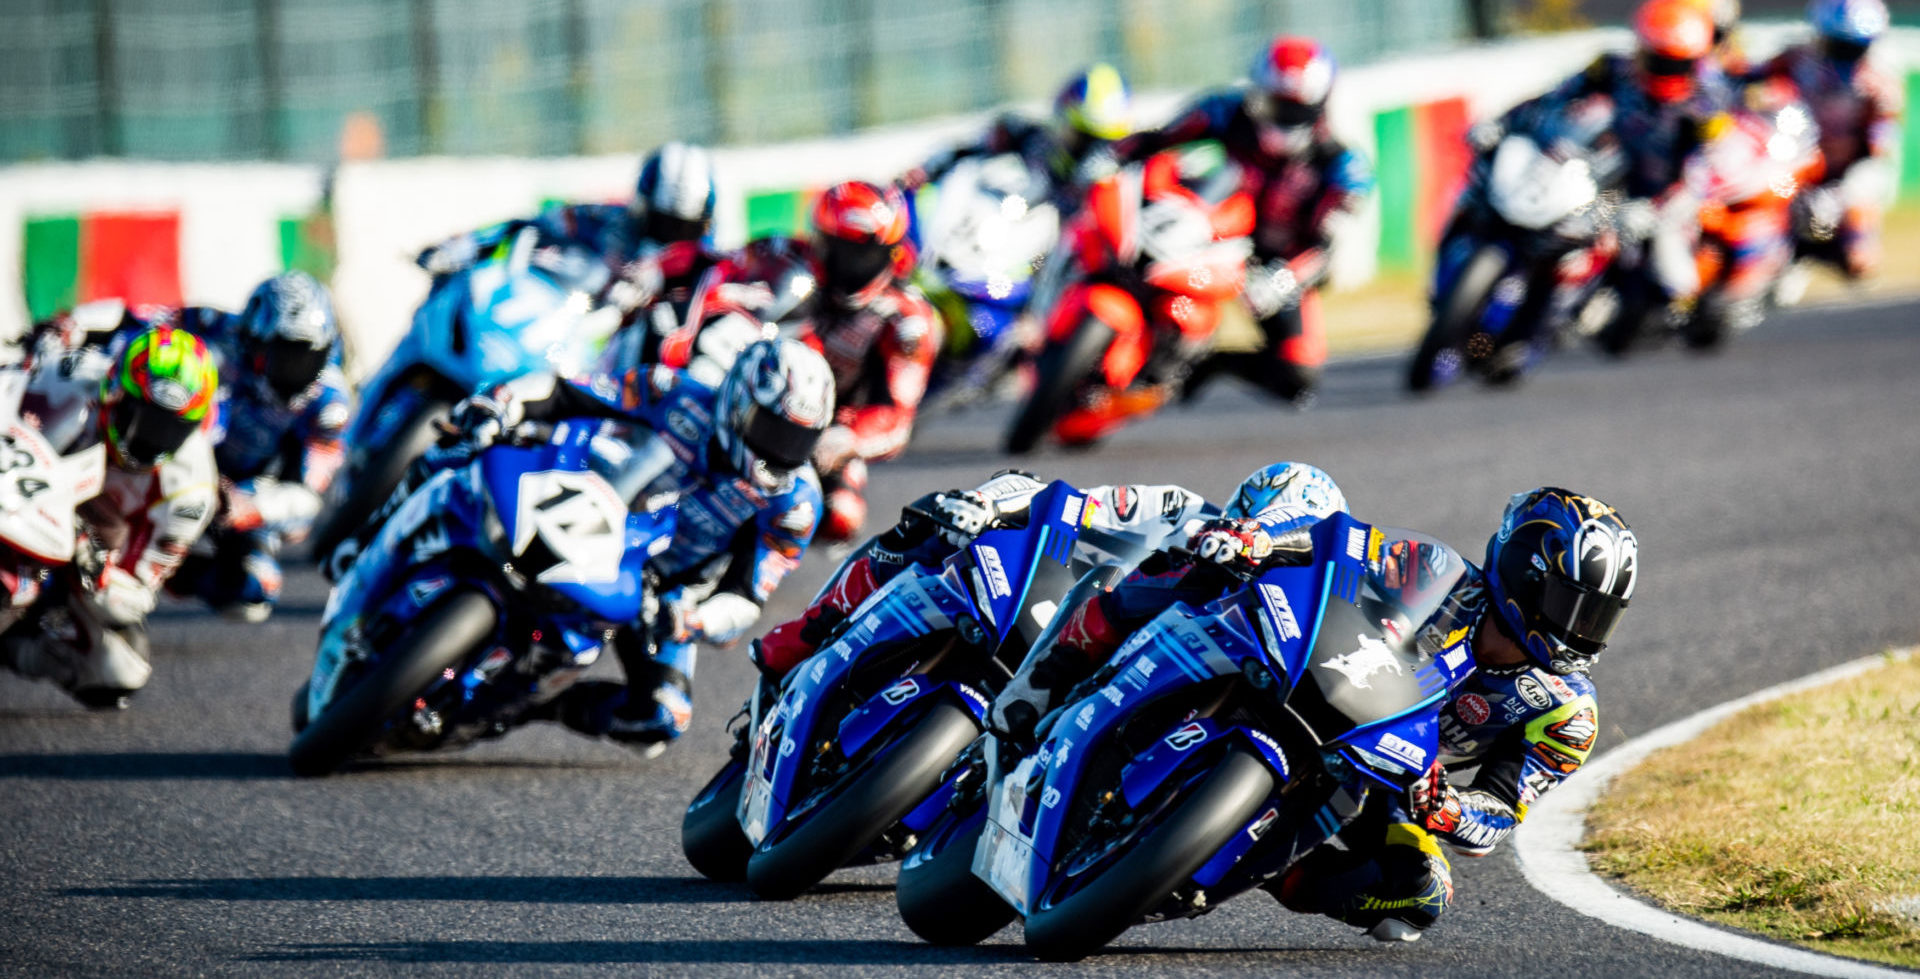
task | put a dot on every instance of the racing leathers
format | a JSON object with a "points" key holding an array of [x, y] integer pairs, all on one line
{"points": [[1857, 109], [881, 352], [1657, 225], [88, 632], [1296, 196], [919, 540], [734, 541], [277, 456]]}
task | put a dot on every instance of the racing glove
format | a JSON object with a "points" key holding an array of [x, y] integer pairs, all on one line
{"points": [[1432, 802], [963, 515], [1237, 543], [1271, 287], [481, 419]]}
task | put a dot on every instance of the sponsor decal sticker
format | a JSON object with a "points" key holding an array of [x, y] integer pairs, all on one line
{"points": [[1126, 501], [901, 692], [1356, 543], [1532, 692], [1186, 737], [997, 586], [1374, 540], [1070, 510], [686, 428], [1405, 750], [1050, 798], [1084, 719], [1281, 610], [1473, 709]]}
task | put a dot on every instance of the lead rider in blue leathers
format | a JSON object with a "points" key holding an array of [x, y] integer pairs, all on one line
{"points": [[1535, 617], [734, 461]]}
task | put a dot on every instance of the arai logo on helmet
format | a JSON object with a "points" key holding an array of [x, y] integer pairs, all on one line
{"points": [[168, 393]]}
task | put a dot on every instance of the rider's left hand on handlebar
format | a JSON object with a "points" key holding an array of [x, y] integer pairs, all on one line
{"points": [[963, 514]]}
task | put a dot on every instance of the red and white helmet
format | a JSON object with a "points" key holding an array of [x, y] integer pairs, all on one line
{"points": [[860, 241], [1292, 78]]}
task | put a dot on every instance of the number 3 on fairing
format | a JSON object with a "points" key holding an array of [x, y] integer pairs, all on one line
{"points": [[580, 517]]}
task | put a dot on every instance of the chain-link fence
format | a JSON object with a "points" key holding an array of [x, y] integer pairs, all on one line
{"points": [[277, 79]]}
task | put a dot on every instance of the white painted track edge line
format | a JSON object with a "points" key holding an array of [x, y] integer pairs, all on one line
{"points": [[1547, 844]]}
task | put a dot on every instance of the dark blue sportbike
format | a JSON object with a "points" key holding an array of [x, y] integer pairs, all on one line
{"points": [[1220, 745], [855, 755], [488, 592]]}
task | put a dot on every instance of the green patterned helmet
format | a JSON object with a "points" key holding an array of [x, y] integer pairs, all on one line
{"points": [[161, 387]]}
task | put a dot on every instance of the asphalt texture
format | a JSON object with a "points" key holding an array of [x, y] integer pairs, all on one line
{"points": [[1773, 489]]}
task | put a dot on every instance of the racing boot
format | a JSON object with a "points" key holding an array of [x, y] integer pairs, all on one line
{"points": [[1396, 892]]}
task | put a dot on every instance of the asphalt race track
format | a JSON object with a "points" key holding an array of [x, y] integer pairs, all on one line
{"points": [[1773, 489]]}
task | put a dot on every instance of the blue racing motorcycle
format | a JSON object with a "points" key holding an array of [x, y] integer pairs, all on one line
{"points": [[856, 754], [1220, 745], [488, 592], [527, 305]]}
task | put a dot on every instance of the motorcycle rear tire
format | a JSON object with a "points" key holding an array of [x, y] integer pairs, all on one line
{"points": [[907, 771], [1458, 312], [438, 641], [371, 487], [1058, 375], [1170, 853], [710, 834], [939, 896]]}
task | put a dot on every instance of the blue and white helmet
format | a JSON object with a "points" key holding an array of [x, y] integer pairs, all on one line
{"points": [[1287, 491], [289, 332], [776, 400], [675, 197], [1854, 22]]}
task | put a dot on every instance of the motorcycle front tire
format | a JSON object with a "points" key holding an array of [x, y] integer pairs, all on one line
{"points": [[905, 773], [370, 487], [710, 834], [1058, 375], [1217, 807], [435, 643], [1455, 315], [939, 896]]}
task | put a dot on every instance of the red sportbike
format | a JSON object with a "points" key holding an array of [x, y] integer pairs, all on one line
{"points": [[1152, 257]]}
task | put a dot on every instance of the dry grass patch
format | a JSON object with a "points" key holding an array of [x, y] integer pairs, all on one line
{"points": [[1799, 820]]}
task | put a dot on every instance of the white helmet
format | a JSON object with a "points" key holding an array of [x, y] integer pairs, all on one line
{"points": [[1300, 489], [771, 409], [675, 197]]}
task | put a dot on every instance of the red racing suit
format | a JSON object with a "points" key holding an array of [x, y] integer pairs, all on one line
{"points": [[1296, 196]]}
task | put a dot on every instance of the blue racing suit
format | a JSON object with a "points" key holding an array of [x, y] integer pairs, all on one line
{"points": [[734, 540], [1521, 731], [276, 457]]}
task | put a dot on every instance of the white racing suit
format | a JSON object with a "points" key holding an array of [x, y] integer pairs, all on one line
{"points": [[88, 633]]}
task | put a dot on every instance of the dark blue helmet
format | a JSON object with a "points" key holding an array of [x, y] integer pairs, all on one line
{"points": [[289, 332], [1559, 571], [675, 197]]}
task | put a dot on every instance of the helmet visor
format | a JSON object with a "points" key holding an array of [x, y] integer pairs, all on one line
{"points": [[850, 266], [1843, 51], [1583, 617], [1282, 112], [144, 433], [665, 227], [293, 366], [781, 443]]}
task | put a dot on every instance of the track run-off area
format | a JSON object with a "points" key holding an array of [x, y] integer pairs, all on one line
{"points": [[1772, 488]]}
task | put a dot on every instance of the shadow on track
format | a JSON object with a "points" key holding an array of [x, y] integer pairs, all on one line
{"points": [[782, 951], [146, 765], [510, 890]]}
